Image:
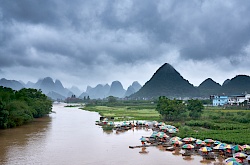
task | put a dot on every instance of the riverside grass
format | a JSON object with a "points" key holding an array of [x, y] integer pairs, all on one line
{"points": [[121, 113], [216, 123]]}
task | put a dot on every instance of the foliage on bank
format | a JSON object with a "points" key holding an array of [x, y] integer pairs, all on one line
{"points": [[121, 113], [20, 107], [178, 110], [226, 125]]}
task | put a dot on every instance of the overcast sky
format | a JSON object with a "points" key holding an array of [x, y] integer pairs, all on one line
{"points": [[94, 42]]}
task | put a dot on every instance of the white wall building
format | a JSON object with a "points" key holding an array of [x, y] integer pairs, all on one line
{"points": [[237, 99]]}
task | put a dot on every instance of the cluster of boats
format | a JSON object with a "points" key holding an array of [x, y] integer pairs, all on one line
{"points": [[164, 135]]}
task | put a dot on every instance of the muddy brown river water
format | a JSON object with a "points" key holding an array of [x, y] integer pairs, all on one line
{"points": [[70, 137]]}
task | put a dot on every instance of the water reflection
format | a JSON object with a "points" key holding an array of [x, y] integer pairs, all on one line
{"points": [[188, 158], [108, 131], [143, 150], [176, 151], [206, 161]]}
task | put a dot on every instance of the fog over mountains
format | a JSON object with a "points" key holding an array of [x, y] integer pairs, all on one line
{"points": [[56, 90], [166, 81]]}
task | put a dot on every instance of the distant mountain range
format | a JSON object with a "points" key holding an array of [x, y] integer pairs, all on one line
{"points": [[55, 90], [166, 81], [116, 89]]}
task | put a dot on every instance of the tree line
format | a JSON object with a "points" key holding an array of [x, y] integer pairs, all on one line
{"points": [[176, 110], [20, 107]]}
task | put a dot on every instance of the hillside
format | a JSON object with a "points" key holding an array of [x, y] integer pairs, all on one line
{"points": [[166, 82], [209, 87], [240, 84]]}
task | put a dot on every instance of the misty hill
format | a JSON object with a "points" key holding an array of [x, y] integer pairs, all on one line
{"points": [[54, 90], [55, 96], [209, 87], [75, 90], [133, 88], [84, 94], [237, 85], [116, 89], [15, 85], [98, 92], [129, 91], [166, 81], [29, 84], [136, 86]]}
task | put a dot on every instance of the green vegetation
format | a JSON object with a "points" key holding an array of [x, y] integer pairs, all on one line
{"points": [[226, 125], [177, 110], [195, 108], [107, 127], [126, 110], [20, 107], [171, 110]]}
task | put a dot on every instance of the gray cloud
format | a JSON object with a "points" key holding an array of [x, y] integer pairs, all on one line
{"points": [[94, 36]]}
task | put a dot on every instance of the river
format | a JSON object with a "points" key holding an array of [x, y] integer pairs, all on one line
{"points": [[70, 137]]}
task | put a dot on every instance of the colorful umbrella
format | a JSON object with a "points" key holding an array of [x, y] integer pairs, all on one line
{"points": [[240, 155], [232, 159], [110, 123], [124, 124], [188, 139], [205, 149], [177, 142], [172, 131], [221, 146], [238, 148], [209, 141], [143, 139], [200, 142], [175, 138], [160, 124], [246, 147], [164, 127], [233, 163], [187, 146], [161, 135], [229, 146], [154, 134], [217, 142]]}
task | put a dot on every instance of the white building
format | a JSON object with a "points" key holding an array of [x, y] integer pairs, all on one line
{"points": [[237, 99]]}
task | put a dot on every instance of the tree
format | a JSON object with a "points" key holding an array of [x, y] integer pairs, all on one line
{"points": [[195, 108], [18, 113], [112, 100], [171, 110], [38, 102], [20, 107]]}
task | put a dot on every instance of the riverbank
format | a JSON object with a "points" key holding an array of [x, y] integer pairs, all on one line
{"points": [[229, 126]]}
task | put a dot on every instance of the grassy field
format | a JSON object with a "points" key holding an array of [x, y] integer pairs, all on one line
{"points": [[126, 112], [229, 126]]}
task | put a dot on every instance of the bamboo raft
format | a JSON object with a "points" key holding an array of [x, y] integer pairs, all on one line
{"points": [[140, 146], [170, 149], [187, 154]]}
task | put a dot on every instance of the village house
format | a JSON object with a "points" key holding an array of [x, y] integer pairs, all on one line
{"points": [[219, 100], [230, 100]]}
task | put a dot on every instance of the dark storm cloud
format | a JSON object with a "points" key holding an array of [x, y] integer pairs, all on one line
{"points": [[124, 33], [199, 29], [30, 11]]}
